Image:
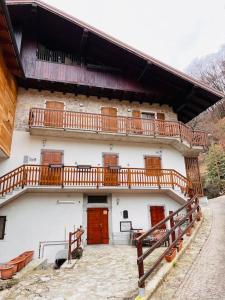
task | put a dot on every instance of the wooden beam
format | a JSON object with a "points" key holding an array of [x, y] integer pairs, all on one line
{"points": [[83, 43], [187, 97], [146, 67]]}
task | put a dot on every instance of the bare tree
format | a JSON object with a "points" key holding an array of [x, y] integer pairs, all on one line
{"points": [[210, 69]]}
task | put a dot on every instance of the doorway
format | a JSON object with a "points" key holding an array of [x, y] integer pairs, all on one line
{"points": [[157, 214], [110, 162], [54, 114], [51, 170], [97, 226], [109, 119]]}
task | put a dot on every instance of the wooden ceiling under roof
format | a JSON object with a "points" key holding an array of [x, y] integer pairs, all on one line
{"points": [[165, 85], [7, 42]]}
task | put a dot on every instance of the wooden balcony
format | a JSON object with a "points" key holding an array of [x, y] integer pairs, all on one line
{"points": [[95, 177], [115, 127]]}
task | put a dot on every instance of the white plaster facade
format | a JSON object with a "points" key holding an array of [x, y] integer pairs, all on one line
{"points": [[34, 217], [38, 217]]}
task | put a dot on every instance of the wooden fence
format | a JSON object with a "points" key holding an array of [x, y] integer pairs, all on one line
{"points": [[88, 176], [177, 224], [72, 120], [75, 239]]}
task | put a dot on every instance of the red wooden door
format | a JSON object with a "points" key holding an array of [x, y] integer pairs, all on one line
{"points": [[97, 226], [54, 116], [157, 214], [109, 119], [51, 172], [110, 169]]}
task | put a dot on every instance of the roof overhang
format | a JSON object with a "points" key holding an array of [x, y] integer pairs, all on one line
{"points": [[188, 96], [8, 43]]}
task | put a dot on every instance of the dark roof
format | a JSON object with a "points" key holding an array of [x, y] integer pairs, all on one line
{"points": [[190, 96], [8, 43]]}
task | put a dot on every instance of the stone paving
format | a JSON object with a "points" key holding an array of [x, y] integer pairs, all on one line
{"points": [[199, 274], [104, 272]]}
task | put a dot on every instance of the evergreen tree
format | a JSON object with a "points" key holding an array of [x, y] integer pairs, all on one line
{"points": [[215, 162]]}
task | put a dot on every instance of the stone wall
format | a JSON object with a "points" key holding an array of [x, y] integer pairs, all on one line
{"points": [[30, 98]]}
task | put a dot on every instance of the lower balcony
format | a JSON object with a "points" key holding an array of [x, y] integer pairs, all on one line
{"points": [[75, 124], [85, 177]]}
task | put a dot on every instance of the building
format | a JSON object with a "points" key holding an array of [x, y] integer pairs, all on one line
{"points": [[99, 136]]}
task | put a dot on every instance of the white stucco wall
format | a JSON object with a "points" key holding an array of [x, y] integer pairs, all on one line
{"points": [[138, 207], [36, 217], [89, 152]]}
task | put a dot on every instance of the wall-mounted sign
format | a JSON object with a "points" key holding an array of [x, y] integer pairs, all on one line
{"points": [[125, 226]]}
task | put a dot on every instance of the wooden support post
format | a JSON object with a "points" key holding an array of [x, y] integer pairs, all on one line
{"points": [[140, 264], [173, 235], [69, 247], [129, 178], [171, 179]]}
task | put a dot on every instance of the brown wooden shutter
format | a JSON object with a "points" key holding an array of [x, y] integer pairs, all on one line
{"points": [[161, 116], [136, 122], [51, 175], [109, 119], [110, 175], [54, 117], [153, 165], [110, 160], [160, 124]]}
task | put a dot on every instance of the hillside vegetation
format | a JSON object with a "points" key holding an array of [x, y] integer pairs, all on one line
{"points": [[211, 70]]}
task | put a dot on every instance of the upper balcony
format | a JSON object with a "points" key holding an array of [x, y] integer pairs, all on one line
{"points": [[74, 124]]}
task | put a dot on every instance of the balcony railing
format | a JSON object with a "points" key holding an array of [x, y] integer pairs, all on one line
{"points": [[87, 176], [71, 120]]}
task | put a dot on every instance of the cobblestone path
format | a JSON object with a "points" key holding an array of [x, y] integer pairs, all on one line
{"points": [[200, 273], [104, 273]]}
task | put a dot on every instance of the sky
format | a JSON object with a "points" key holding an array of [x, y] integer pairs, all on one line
{"points": [[173, 31]]}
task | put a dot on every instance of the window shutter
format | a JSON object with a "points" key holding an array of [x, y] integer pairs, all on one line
{"points": [[161, 116]]}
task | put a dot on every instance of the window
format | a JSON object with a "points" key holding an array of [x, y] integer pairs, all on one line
{"points": [[148, 116], [2, 227], [125, 214], [97, 199]]}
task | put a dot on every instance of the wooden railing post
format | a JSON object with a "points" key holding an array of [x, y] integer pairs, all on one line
{"points": [[188, 210], [158, 178], [69, 247], [129, 178], [24, 176], [173, 235], [141, 286], [171, 179]]}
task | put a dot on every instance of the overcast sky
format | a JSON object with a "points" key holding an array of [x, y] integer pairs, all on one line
{"points": [[173, 31]]}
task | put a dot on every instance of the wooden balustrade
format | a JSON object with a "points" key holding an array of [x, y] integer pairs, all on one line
{"points": [[72, 120], [39, 175], [177, 224], [75, 239]]}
